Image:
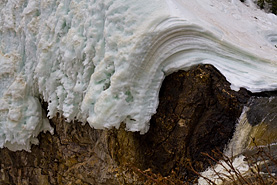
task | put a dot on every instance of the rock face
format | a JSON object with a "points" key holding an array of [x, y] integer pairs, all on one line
{"points": [[197, 113], [74, 154], [262, 116]]}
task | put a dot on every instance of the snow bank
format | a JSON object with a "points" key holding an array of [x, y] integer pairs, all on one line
{"points": [[104, 61]]}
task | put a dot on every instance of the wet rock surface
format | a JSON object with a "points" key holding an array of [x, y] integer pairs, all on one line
{"points": [[262, 116], [197, 113], [262, 109]]}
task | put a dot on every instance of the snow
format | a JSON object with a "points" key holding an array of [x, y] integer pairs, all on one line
{"points": [[104, 61], [224, 170]]}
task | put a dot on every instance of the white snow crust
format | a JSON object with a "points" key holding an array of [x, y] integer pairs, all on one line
{"points": [[103, 61]]}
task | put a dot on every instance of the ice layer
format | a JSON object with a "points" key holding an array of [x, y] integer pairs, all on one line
{"points": [[103, 61]]}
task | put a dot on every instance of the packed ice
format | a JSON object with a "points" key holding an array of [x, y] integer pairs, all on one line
{"points": [[103, 61]]}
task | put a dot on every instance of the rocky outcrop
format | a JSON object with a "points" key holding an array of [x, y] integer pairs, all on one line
{"points": [[75, 154], [261, 140], [197, 113], [262, 116]]}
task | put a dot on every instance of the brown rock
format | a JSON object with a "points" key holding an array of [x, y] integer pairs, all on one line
{"points": [[197, 113], [75, 154]]}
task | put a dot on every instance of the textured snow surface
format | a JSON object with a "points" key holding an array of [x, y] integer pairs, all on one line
{"points": [[103, 61]]}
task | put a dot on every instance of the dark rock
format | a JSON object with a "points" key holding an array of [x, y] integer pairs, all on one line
{"points": [[197, 113], [262, 116], [262, 109]]}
